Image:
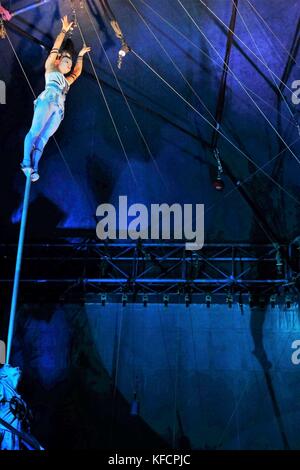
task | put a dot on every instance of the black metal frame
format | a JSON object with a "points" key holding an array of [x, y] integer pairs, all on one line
{"points": [[152, 271]]}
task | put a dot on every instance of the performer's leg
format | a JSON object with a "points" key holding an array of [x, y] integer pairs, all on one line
{"points": [[42, 113], [49, 129]]}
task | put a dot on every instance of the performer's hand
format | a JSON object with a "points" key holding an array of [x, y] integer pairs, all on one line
{"points": [[5, 14], [84, 50], [66, 26]]}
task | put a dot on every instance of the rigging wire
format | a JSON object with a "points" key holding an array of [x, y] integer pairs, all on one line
{"points": [[170, 58], [272, 32], [240, 83], [250, 177], [241, 41], [125, 98], [106, 102], [261, 55], [208, 122], [196, 46]]}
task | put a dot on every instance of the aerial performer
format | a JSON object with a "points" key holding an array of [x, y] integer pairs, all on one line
{"points": [[15, 415], [50, 104]]}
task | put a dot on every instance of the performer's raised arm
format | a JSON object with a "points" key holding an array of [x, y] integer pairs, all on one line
{"points": [[78, 66], [66, 26]]}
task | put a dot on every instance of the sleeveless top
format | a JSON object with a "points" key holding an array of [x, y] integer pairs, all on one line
{"points": [[56, 88]]}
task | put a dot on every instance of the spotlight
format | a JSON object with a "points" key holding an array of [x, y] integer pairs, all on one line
{"points": [[288, 300], [273, 299], [103, 300], [229, 300], [279, 262], [166, 300], [208, 300], [124, 300], [145, 300], [251, 301], [187, 300], [219, 184], [261, 302]]}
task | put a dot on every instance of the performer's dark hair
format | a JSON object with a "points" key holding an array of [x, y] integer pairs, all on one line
{"points": [[68, 46]]}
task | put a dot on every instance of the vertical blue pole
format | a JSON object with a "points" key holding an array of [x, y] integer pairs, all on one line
{"points": [[14, 300]]}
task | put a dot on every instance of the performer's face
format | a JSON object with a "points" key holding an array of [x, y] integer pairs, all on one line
{"points": [[65, 63]]}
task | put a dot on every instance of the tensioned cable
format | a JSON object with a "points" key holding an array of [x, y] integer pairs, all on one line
{"points": [[29, 84], [294, 119], [176, 67], [261, 55], [107, 104], [196, 46], [206, 120], [170, 58], [250, 177], [272, 32], [224, 136], [240, 83], [241, 41], [269, 40], [163, 47], [125, 98]]}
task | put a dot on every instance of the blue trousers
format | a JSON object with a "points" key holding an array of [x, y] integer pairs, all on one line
{"points": [[48, 114]]}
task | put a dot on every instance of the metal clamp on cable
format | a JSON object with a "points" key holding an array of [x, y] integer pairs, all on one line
{"points": [[218, 183], [123, 52], [2, 29]]}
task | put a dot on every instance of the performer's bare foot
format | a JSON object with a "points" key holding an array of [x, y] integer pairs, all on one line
{"points": [[34, 176], [27, 170]]}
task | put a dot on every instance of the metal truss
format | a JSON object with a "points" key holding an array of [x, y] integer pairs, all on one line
{"points": [[86, 269]]}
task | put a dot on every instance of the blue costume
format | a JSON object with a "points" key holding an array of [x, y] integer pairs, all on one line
{"points": [[48, 114]]}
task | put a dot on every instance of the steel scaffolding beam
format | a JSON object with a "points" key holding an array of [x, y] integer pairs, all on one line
{"points": [[82, 268]]}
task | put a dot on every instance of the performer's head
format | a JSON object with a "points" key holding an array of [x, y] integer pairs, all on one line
{"points": [[66, 57], [10, 374]]}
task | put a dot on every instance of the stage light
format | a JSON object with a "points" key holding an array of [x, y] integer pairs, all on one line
{"points": [[261, 301], [273, 299], [103, 300], [145, 300], [288, 300], [124, 300], [229, 300], [219, 184], [187, 300], [251, 301], [166, 300], [279, 262], [208, 300]]}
